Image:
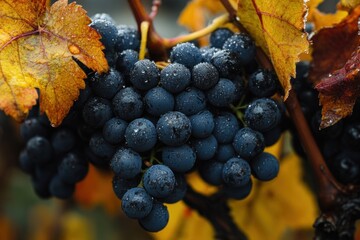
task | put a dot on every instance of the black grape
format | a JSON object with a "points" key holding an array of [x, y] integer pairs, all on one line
{"points": [[144, 75], [32, 127], [202, 124], [211, 172], [121, 185], [173, 128], [127, 38], [108, 31], [126, 163], [227, 63], [248, 143], [236, 172], [222, 94], [263, 83], [242, 45], [226, 126], [238, 193], [73, 168], [140, 135], [156, 219], [219, 36], [175, 77], [107, 85], [96, 112], [262, 114], [136, 203], [158, 101], [190, 101], [179, 159], [205, 148], [39, 150], [204, 76], [128, 104], [265, 167], [100, 147], [179, 190], [126, 61], [159, 181], [63, 140], [60, 189], [186, 53]]}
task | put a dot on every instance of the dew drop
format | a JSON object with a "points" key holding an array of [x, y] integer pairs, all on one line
{"points": [[74, 49]]}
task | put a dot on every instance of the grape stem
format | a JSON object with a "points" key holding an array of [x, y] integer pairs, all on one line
{"points": [[157, 50], [215, 209], [159, 46], [155, 9], [216, 23], [144, 34]]}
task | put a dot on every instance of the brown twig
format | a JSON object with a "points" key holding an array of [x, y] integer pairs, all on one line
{"points": [[232, 15], [154, 9], [157, 50], [216, 210]]}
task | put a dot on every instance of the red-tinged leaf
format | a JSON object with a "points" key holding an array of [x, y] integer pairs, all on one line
{"points": [[339, 91], [335, 68]]}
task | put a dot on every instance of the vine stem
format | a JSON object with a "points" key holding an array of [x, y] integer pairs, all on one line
{"points": [[159, 46], [216, 210], [154, 42], [219, 21], [329, 188], [155, 9], [144, 34]]}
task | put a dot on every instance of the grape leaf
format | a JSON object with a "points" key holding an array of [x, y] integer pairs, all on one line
{"points": [[278, 28], [320, 19], [37, 46], [96, 190], [336, 67], [201, 9], [348, 4]]}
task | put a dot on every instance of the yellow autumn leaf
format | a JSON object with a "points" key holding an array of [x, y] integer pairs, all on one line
{"points": [[348, 4], [278, 28], [37, 47], [201, 9], [312, 6], [96, 190], [51, 218], [320, 19], [76, 227]]}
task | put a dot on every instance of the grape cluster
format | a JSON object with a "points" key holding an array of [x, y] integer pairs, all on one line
{"points": [[52, 156], [208, 110], [340, 143]]}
